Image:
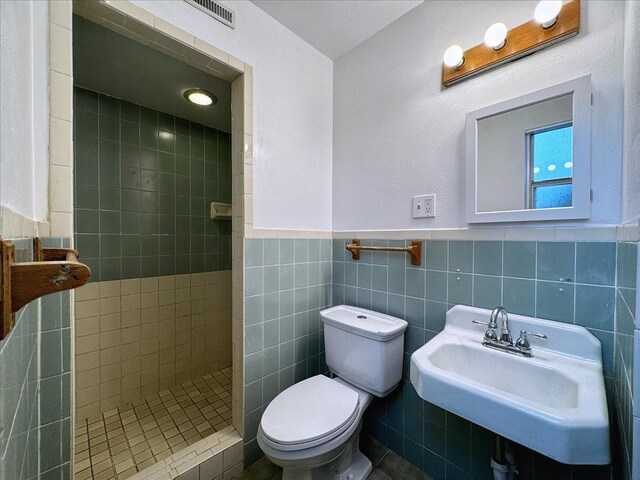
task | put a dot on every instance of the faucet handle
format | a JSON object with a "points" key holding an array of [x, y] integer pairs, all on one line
{"points": [[490, 324], [523, 342], [490, 334]]}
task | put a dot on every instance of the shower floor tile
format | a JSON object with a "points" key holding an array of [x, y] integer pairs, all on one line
{"points": [[129, 439]]}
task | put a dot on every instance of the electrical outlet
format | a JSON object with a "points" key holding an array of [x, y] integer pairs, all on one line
{"points": [[430, 205], [424, 206]]}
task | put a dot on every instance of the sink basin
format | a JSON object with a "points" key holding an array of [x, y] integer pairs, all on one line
{"points": [[553, 403]]}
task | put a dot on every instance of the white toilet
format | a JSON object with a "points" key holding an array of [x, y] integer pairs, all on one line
{"points": [[311, 429]]}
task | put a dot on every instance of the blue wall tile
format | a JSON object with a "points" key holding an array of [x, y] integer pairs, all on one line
{"points": [[32, 406], [556, 261], [520, 259], [593, 263], [487, 258], [461, 257], [287, 283]]}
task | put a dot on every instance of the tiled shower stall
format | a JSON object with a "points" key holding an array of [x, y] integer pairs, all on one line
{"points": [[154, 324]]}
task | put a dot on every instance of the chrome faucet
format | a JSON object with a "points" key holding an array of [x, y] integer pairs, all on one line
{"points": [[505, 333], [505, 342]]}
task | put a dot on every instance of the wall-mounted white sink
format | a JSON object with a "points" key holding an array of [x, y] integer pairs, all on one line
{"points": [[553, 403]]}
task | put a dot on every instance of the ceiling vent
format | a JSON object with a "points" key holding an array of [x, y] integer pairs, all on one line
{"points": [[216, 10]]}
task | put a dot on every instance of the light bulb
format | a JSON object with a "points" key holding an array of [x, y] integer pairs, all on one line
{"points": [[546, 12], [200, 97], [496, 36], [453, 56]]}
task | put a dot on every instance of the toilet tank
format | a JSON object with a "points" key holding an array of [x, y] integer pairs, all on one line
{"points": [[364, 347]]}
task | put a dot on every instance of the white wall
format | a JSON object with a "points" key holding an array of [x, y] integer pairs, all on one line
{"points": [[293, 111], [398, 133], [24, 107], [631, 157]]}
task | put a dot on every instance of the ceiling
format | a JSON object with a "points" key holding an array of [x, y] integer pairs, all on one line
{"points": [[109, 63], [336, 26]]}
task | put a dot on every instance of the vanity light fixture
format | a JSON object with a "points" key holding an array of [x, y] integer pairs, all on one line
{"points": [[496, 36], [546, 12], [553, 22], [453, 56], [200, 97]]}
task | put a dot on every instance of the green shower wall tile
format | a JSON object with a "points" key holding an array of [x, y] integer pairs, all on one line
{"points": [[130, 112], [109, 106], [110, 198], [134, 195]]}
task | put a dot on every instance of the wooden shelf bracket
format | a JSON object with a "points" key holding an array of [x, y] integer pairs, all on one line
{"points": [[54, 270]]}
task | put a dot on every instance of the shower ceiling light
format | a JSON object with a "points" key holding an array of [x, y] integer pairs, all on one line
{"points": [[200, 97]]}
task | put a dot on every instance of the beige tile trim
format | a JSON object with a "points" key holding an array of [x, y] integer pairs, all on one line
{"points": [[606, 233], [629, 232], [281, 233], [60, 119], [212, 457], [15, 225]]}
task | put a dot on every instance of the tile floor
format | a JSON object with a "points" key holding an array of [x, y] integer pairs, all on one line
{"points": [[129, 439], [387, 465]]}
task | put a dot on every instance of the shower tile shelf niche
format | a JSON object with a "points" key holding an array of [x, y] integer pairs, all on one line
{"points": [[220, 211], [55, 270]]}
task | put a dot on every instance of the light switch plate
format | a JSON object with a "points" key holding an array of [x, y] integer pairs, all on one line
{"points": [[424, 206]]}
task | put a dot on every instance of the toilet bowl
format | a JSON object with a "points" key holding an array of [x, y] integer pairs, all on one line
{"points": [[312, 428]]}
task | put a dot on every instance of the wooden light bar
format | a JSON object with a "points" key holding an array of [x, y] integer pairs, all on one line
{"points": [[521, 41]]}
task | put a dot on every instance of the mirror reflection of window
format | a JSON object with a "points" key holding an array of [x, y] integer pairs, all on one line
{"points": [[550, 160]]}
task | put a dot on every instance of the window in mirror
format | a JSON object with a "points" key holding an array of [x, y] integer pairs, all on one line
{"points": [[550, 167]]}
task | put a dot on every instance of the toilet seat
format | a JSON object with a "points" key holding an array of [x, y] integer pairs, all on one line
{"points": [[309, 413]]}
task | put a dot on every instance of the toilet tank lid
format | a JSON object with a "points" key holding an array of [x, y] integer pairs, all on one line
{"points": [[361, 321]]}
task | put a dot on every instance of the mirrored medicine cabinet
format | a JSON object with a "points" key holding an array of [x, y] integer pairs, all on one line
{"points": [[528, 158]]}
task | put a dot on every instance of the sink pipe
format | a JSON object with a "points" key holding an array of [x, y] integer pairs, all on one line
{"points": [[503, 461]]}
